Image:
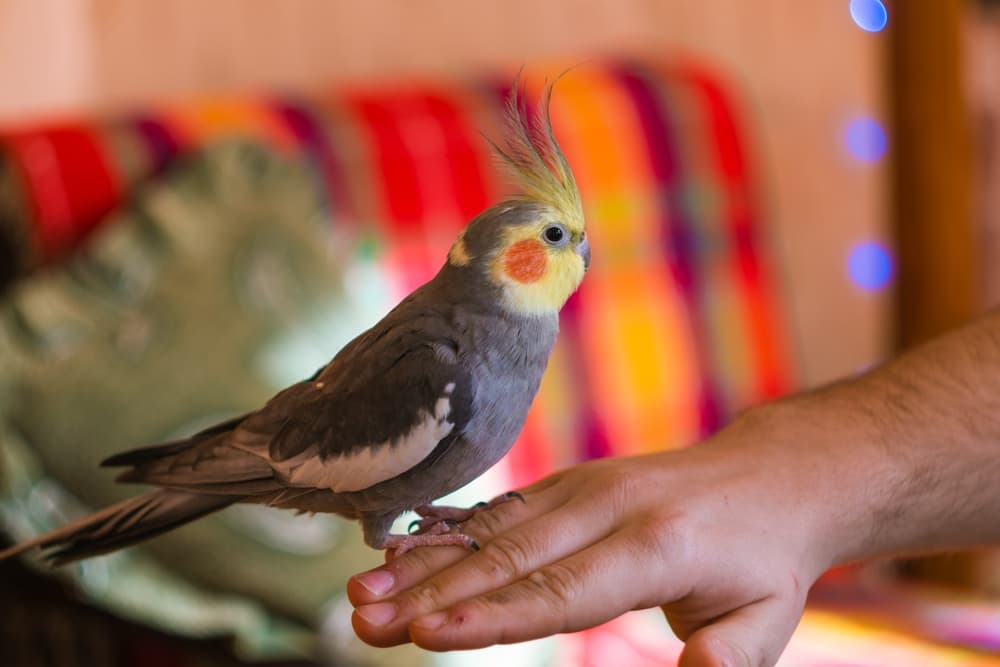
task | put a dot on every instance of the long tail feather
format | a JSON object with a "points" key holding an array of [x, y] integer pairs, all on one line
{"points": [[123, 524], [135, 457]]}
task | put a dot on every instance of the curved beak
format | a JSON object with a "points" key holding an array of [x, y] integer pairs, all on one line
{"points": [[583, 250]]}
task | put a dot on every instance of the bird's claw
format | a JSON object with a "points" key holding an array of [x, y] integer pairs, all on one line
{"points": [[500, 500], [397, 545], [511, 495], [432, 526], [432, 516]]}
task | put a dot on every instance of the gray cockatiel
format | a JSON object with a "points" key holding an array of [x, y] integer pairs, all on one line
{"points": [[417, 406]]}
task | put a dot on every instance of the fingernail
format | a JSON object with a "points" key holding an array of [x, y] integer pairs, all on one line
{"points": [[431, 621], [377, 614], [378, 582]]}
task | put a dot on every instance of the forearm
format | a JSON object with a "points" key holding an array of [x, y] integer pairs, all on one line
{"points": [[908, 456]]}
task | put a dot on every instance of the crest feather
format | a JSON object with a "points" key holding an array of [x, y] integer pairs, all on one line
{"points": [[531, 154]]}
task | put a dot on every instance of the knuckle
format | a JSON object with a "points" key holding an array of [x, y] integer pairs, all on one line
{"points": [[661, 536], [619, 489], [416, 561], [505, 558], [424, 597], [490, 522], [555, 584], [658, 533]]}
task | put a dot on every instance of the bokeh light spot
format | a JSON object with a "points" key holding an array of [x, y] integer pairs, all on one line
{"points": [[870, 266], [865, 139], [870, 15]]}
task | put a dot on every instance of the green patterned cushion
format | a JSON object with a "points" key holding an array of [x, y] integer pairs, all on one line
{"points": [[216, 286]]}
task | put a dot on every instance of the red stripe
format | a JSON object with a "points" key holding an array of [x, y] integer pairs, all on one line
{"points": [[464, 163], [87, 173], [70, 180], [773, 370], [729, 153], [397, 169]]}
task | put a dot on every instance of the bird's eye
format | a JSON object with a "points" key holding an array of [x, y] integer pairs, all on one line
{"points": [[555, 235]]}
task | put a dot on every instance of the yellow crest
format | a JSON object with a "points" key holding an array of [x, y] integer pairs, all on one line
{"points": [[531, 154]]}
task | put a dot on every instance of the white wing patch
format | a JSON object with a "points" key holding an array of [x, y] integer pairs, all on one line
{"points": [[368, 466]]}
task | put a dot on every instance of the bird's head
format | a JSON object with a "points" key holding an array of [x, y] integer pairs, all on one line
{"points": [[533, 247]]}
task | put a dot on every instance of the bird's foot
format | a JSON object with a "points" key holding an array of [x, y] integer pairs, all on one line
{"points": [[433, 515], [438, 535]]}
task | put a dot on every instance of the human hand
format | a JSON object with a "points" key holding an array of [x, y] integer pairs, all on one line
{"points": [[725, 544]]}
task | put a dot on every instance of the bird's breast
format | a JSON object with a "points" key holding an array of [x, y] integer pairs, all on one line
{"points": [[507, 371]]}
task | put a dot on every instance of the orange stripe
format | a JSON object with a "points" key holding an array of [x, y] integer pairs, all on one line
{"points": [[206, 120]]}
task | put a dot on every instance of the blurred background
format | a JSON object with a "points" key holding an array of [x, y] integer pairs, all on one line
{"points": [[201, 202]]}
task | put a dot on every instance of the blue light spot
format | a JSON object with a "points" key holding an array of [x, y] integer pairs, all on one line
{"points": [[870, 15], [870, 266], [865, 139]]}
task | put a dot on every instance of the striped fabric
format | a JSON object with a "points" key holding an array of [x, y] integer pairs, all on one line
{"points": [[677, 325]]}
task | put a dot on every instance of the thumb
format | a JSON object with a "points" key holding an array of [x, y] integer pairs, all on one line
{"points": [[751, 636]]}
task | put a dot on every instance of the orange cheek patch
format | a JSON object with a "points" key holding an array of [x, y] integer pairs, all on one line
{"points": [[525, 261]]}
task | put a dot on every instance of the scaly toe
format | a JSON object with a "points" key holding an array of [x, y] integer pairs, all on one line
{"points": [[400, 544]]}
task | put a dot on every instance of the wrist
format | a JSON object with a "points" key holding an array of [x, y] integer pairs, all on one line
{"points": [[829, 458], [884, 465]]}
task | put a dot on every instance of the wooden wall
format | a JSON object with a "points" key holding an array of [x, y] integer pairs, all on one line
{"points": [[803, 68], [939, 284]]}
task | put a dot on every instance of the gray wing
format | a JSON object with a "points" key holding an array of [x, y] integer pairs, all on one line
{"points": [[386, 402], [382, 406]]}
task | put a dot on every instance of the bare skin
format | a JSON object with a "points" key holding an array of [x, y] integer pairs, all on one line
{"points": [[726, 537]]}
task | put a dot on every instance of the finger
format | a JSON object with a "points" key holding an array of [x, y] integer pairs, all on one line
{"points": [[513, 554], [752, 636], [588, 588], [414, 567], [502, 561]]}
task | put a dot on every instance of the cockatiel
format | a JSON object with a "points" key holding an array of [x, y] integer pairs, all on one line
{"points": [[417, 406]]}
